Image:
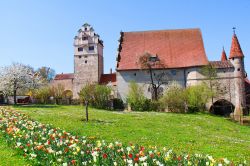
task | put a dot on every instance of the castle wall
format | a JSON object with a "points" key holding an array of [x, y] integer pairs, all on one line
{"points": [[184, 77], [67, 83], [143, 79]]}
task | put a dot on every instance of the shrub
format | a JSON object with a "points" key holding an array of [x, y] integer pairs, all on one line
{"points": [[138, 101], [197, 97], [118, 104], [96, 95], [101, 96], [174, 98], [42, 94]]}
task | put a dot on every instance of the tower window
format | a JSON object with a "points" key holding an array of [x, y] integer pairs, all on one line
{"points": [[91, 48], [238, 69], [80, 49], [134, 74], [80, 57], [86, 29], [86, 61], [84, 38]]}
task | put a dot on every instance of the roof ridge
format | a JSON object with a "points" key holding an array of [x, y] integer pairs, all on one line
{"points": [[162, 30]]}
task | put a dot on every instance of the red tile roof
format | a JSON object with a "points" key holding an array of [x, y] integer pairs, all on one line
{"points": [[64, 76], [107, 78], [235, 48], [175, 48], [221, 64], [223, 55]]}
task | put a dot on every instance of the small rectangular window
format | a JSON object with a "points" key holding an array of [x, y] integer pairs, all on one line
{"points": [[91, 48], [84, 38], [80, 49]]}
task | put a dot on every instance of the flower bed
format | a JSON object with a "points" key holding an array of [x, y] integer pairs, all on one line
{"points": [[45, 145]]}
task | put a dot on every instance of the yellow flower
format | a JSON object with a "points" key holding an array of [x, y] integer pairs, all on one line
{"points": [[167, 158], [77, 149]]}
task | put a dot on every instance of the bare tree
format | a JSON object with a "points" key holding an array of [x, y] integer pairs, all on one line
{"points": [[46, 73], [155, 67], [211, 79]]}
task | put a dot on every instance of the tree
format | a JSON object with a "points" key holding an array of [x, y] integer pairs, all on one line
{"points": [[58, 92], [46, 73], [87, 95], [210, 74], [151, 63], [18, 77]]}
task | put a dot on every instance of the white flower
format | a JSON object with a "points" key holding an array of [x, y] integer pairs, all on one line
{"points": [[18, 144], [65, 164], [143, 158], [129, 161], [128, 149], [72, 146], [226, 161], [33, 155], [220, 164], [115, 163], [59, 160]]}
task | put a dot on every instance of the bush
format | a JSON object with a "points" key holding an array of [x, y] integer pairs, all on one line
{"points": [[118, 104], [174, 98], [197, 97], [137, 101], [101, 96], [97, 95], [42, 95]]}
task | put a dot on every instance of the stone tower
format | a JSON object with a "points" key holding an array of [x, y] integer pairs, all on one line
{"points": [[237, 59], [88, 58]]}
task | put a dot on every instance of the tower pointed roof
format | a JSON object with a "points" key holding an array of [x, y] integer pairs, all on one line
{"points": [[235, 48], [223, 55]]}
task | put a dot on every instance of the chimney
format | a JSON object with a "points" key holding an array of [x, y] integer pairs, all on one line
{"points": [[110, 70]]}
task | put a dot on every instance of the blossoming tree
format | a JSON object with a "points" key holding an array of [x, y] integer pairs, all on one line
{"points": [[18, 77]]}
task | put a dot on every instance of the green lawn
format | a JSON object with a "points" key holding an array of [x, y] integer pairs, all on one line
{"points": [[194, 133], [9, 156]]}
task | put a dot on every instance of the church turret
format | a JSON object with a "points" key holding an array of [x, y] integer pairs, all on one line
{"points": [[237, 59], [223, 55], [88, 58]]}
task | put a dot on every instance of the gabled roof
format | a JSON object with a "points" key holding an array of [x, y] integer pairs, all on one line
{"points": [[64, 76], [223, 55], [221, 64], [235, 50], [108, 78], [175, 48]]}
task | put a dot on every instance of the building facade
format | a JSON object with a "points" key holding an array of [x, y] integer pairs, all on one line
{"points": [[181, 51], [88, 63], [183, 55]]}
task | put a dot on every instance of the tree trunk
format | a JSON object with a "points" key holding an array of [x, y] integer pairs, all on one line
{"points": [[14, 93], [155, 94], [86, 110]]}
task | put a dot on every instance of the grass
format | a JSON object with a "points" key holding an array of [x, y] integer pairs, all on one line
{"points": [[9, 156], [194, 133]]}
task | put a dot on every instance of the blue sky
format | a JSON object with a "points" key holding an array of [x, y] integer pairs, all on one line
{"points": [[40, 33]]}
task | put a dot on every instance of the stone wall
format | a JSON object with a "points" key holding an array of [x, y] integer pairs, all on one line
{"points": [[184, 77]]}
